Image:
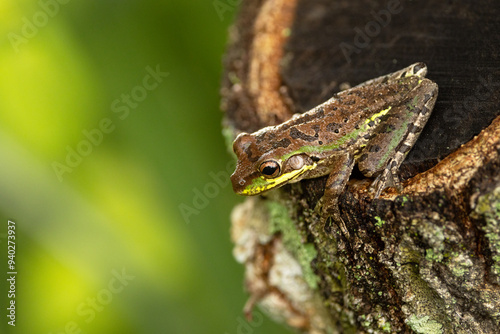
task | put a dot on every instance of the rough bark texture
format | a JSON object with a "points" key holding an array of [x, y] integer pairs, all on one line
{"points": [[426, 260]]}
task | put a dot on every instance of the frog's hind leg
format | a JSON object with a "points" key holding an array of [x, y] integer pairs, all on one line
{"points": [[418, 69], [385, 152]]}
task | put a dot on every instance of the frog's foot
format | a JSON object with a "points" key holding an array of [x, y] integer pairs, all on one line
{"points": [[330, 210], [386, 179], [329, 221], [319, 206], [332, 221]]}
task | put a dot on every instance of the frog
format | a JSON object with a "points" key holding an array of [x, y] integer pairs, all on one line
{"points": [[372, 125]]}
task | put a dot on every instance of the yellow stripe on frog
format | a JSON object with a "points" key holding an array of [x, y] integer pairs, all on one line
{"points": [[272, 183]]}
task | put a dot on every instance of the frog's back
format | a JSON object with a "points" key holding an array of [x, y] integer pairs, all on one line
{"points": [[337, 123]]}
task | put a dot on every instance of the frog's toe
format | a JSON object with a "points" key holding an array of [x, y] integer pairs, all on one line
{"points": [[319, 206], [331, 211], [327, 225], [384, 180], [376, 186]]}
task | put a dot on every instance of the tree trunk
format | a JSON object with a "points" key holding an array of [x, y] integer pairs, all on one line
{"points": [[423, 260]]}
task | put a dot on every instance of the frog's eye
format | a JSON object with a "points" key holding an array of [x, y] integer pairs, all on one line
{"points": [[269, 169]]}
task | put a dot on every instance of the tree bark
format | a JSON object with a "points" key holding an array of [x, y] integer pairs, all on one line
{"points": [[423, 260]]}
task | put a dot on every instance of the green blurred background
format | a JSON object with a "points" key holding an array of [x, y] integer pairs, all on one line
{"points": [[65, 68]]}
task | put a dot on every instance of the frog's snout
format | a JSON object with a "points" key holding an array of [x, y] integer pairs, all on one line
{"points": [[238, 183]]}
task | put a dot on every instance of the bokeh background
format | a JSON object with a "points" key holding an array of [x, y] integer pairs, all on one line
{"points": [[66, 69]]}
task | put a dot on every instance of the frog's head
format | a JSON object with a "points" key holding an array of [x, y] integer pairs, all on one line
{"points": [[260, 169]]}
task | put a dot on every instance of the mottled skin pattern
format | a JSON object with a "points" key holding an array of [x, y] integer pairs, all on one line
{"points": [[374, 124]]}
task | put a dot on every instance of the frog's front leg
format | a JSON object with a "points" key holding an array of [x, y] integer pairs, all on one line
{"points": [[341, 168]]}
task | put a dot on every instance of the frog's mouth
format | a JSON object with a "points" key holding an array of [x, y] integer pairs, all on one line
{"points": [[261, 184]]}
